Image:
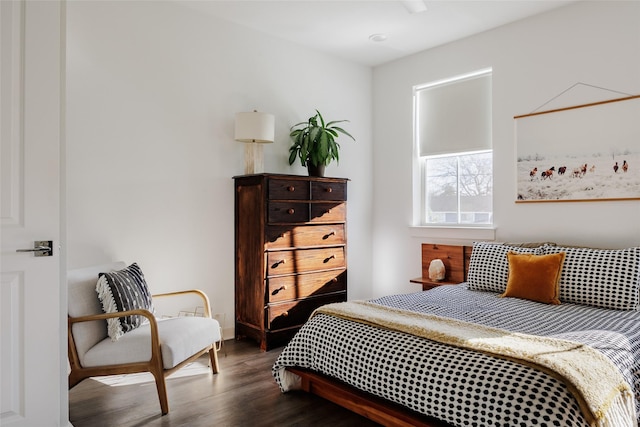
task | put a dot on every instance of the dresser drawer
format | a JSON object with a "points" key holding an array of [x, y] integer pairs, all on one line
{"points": [[285, 288], [303, 260], [289, 236], [328, 212], [328, 190], [288, 212], [288, 189], [296, 212], [295, 313]]}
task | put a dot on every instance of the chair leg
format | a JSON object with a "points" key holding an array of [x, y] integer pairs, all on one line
{"points": [[74, 379], [161, 386], [213, 356]]}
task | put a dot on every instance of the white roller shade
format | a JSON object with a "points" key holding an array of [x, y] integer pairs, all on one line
{"points": [[454, 117]]}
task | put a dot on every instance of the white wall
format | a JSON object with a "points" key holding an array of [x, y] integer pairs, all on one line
{"points": [[533, 60], [153, 88], [152, 91]]}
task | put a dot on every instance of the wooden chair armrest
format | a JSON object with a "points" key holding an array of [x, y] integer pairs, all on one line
{"points": [[104, 316], [201, 294], [155, 339]]}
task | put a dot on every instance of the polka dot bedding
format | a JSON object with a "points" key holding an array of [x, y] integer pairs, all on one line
{"points": [[459, 386], [599, 277]]}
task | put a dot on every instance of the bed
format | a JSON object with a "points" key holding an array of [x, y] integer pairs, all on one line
{"points": [[395, 373]]}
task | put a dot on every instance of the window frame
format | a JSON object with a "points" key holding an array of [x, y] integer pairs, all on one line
{"points": [[420, 225]]}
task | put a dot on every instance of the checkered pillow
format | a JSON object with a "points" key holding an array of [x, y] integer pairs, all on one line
{"points": [[120, 291], [489, 266], [600, 277]]}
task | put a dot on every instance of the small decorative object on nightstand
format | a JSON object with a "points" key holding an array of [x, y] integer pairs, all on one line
{"points": [[436, 270], [455, 262]]}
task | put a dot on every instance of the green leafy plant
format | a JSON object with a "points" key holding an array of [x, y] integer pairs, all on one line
{"points": [[315, 142]]}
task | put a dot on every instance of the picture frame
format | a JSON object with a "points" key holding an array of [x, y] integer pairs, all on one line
{"points": [[588, 152]]}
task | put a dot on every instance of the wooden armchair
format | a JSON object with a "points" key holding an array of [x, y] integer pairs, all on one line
{"points": [[160, 346]]}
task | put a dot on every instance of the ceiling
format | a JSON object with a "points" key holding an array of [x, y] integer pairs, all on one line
{"points": [[343, 27]]}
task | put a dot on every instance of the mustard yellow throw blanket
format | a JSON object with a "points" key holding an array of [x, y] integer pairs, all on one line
{"points": [[604, 397]]}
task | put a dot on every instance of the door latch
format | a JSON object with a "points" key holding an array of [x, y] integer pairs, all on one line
{"points": [[40, 248]]}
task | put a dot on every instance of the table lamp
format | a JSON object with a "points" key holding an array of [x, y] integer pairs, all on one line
{"points": [[254, 129]]}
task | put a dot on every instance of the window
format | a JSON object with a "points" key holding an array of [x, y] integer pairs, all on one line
{"points": [[458, 188], [453, 151]]}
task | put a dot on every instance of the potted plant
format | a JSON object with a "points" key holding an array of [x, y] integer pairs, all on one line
{"points": [[315, 143]]}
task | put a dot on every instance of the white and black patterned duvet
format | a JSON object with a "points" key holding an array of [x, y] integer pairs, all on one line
{"points": [[464, 387]]}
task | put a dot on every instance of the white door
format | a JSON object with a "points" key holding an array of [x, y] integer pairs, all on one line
{"points": [[33, 322]]}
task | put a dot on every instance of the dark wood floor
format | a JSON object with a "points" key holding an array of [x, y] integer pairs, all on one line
{"points": [[243, 393]]}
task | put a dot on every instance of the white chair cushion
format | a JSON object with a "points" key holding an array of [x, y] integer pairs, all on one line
{"points": [[83, 301], [180, 338]]}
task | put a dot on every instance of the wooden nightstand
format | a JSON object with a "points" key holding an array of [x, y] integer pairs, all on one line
{"points": [[455, 259], [429, 284]]}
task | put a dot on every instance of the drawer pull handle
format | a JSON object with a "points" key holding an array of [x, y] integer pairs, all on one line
{"points": [[329, 190], [291, 188], [285, 314], [281, 288], [326, 260], [334, 280], [277, 263], [290, 211], [326, 236]]}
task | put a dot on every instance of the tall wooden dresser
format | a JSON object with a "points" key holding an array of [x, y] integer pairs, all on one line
{"points": [[291, 252]]}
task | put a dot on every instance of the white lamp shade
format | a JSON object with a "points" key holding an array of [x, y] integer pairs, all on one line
{"points": [[255, 127]]}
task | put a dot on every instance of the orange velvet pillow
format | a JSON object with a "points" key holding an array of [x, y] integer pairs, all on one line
{"points": [[534, 277]]}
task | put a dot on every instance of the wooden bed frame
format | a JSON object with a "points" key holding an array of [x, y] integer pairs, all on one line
{"points": [[369, 406], [387, 413]]}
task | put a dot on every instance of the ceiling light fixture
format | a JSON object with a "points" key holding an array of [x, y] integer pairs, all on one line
{"points": [[378, 37], [414, 6]]}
